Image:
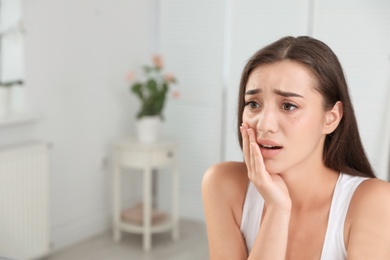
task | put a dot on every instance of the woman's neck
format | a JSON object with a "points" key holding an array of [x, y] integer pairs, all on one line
{"points": [[310, 187]]}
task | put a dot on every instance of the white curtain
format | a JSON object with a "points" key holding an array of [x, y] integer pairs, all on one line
{"points": [[358, 32], [191, 41]]}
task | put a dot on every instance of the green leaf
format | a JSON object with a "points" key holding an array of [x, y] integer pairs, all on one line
{"points": [[137, 89], [152, 86], [165, 87]]}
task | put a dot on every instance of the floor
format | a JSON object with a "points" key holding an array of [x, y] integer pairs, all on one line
{"points": [[192, 245]]}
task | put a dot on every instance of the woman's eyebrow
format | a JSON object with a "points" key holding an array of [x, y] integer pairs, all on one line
{"points": [[286, 94], [276, 91], [253, 91]]}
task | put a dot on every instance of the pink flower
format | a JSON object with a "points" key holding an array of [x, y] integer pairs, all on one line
{"points": [[157, 61], [176, 94], [169, 77], [130, 75]]}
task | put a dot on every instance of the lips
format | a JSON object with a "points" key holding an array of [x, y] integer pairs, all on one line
{"points": [[269, 148], [266, 146], [269, 144]]}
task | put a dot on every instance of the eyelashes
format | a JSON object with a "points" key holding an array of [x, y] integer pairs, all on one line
{"points": [[252, 104], [287, 106]]}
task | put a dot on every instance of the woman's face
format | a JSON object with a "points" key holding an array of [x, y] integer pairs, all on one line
{"points": [[287, 115]]}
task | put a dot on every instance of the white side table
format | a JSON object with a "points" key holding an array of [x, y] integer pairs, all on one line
{"points": [[128, 152]]}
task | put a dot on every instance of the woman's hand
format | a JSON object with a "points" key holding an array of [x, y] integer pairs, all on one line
{"points": [[271, 186]]}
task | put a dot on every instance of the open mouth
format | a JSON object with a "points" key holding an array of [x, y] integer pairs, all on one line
{"points": [[270, 147]]}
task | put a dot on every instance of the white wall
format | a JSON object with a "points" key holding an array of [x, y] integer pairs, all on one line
{"points": [[77, 55]]}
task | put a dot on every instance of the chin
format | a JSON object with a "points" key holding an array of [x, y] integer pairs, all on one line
{"points": [[273, 169]]}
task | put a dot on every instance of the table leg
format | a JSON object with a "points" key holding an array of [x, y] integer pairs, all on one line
{"points": [[147, 208], [175, 197], [116, 202]]}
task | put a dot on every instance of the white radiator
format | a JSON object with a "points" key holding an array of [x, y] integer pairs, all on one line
{"points": [[24, 201]]}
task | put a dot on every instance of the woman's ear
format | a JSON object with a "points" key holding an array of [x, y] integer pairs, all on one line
{"points": [[333, 117]]}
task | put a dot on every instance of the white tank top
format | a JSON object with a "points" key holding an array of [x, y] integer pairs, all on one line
{"points": [[333, 248]]}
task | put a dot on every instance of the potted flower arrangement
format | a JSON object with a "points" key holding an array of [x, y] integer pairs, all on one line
{"points": [[152, 93]]}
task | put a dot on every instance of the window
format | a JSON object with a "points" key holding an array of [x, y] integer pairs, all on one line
{"points": [[11, 42], [12, 33]]}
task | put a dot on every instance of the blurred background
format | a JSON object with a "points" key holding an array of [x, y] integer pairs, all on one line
{"points": [[71, 58]]}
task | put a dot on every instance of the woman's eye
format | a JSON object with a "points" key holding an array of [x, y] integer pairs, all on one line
{"points": [[252, 104], [288, 106]]}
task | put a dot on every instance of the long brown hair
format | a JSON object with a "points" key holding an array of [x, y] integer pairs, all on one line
{"points": [[343, 149]]}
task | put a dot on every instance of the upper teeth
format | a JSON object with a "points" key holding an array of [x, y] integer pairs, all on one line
{"points": [[268, 146]]}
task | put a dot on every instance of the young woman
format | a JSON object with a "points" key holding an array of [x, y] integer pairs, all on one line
{"points": [[306, 189]]}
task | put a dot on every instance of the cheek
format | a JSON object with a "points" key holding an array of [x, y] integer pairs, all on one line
{"points": [[249, 119], [308, 123], [294, 120]]}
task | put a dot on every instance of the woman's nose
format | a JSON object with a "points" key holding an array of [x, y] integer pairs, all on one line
{"points": [[267, 121]]}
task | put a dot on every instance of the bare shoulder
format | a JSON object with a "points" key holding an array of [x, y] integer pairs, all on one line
{"points": [[224, 185], [226, 177], [372, 194], [223, 190], [368, 220]]}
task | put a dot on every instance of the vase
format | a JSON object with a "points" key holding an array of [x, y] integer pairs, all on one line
{"points": [[148, 129]]}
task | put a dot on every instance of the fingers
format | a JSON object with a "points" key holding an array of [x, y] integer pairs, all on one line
{"points": [[255, 148], [272, 188], [258, 163], [253, 157], [245, 145]]}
